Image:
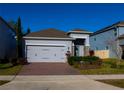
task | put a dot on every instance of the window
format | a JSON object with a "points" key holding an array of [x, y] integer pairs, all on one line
{"points": [[115, 32], [107, 47], [94, 39], [96, 48]]}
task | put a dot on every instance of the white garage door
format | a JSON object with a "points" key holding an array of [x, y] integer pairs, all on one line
{"points": [[46, 54]]}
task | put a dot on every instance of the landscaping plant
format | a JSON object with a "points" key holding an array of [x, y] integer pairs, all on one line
{"points": [[86, 62]]}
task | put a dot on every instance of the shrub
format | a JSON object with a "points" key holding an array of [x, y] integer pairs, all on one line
{"points": [[86, 60], [91, 59], [22, 61], [5, 60], [13, 61], [74, 59]]}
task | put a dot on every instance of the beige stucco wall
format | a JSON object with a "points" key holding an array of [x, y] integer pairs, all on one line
{"points": [[102, 53]]}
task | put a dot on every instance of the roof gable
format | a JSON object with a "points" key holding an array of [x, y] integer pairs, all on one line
{"points": [[48, 33]]}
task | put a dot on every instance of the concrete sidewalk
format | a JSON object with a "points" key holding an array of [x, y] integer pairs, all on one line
{"points": [[7, 77], [94, 77], [55, 82], [101, 77]]}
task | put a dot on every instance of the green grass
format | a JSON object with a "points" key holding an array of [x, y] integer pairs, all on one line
{"points": [[114, 82], [109, 66], [3, 82], [105, 69], [8, 69], [6, 65]]}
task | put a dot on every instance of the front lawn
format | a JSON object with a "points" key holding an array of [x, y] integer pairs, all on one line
{"points": [[114, 82], [8, 69], [105, 69], [3, 82], [96, 66]]}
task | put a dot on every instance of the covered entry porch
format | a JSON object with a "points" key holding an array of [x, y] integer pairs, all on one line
{"points": [[78, 47], [80, 44]]}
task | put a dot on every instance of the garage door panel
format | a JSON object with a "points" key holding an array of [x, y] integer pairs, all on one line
{"points": [[46, 54]]}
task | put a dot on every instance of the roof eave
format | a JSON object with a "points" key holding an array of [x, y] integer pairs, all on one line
{"points": [[79, 32], [48, 38]]}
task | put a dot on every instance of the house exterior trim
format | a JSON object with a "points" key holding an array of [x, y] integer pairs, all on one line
{"points": [[78, 32], [48, 38]]}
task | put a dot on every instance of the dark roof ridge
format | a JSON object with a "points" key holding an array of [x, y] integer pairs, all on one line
{"points": [[7, 24], [108, 27]]}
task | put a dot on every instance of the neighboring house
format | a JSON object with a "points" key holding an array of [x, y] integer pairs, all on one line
{"points": [[121, 42], [104, 39], [7, 40], [52, 45]]}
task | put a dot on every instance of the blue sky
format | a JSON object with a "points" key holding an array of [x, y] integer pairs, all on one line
{"points": [[65, 17]]}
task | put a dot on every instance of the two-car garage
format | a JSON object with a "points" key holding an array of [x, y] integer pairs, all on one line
{"points": [[50, 45], [46, 53]]}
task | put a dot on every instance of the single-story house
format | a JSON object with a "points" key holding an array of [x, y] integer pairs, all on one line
{"points": [[7, 40], [109, 39], [52, 45]]}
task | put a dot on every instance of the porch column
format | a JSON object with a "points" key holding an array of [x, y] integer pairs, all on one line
{"points": [[86, 50], [73, 51], [86, 47]]}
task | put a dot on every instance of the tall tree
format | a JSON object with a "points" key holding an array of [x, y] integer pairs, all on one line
{"points": [[19, 35], [14, 25], [17, 26]]}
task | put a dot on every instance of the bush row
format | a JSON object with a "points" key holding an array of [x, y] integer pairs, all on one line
{"points": [[84, 60]]}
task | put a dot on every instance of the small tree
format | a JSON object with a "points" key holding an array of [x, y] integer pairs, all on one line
{"points": [[116, 49], [28, 31]]}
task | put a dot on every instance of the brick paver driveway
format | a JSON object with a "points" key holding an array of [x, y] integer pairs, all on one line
{"points": [[48, 69]]}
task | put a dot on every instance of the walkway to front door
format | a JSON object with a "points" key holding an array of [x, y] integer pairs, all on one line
{"points": [[48, 69]]}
